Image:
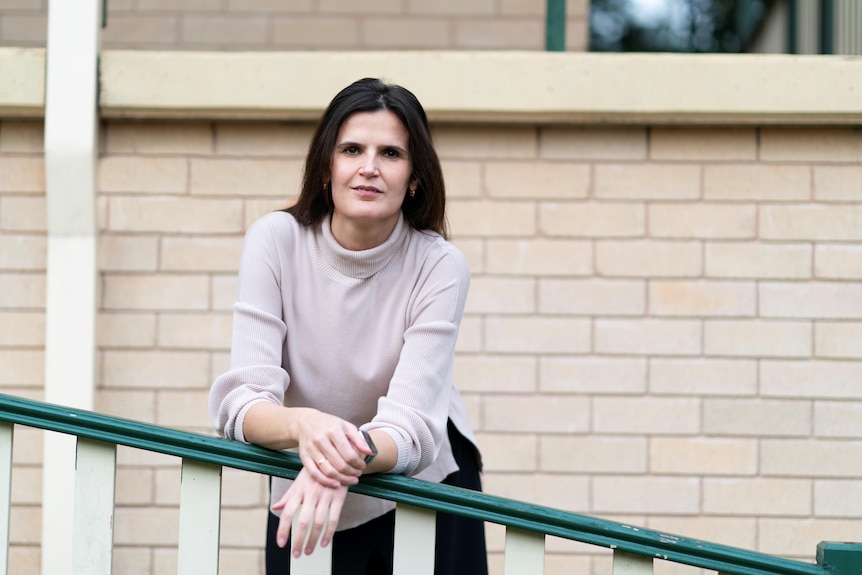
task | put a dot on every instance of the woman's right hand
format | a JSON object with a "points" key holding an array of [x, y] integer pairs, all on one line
{"points": [[331, 449]]}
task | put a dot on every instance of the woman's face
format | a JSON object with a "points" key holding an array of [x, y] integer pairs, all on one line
{"points": [[370, 175]]}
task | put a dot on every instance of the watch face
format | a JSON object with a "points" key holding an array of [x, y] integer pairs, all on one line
{"points": [[371, 445]]}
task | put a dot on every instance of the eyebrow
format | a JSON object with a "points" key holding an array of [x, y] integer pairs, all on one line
{"points": [[357, 144]]}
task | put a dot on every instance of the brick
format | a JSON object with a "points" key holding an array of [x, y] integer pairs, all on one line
{"points": [[537, 180], [133, 30], [270, 140], [756, 417], [144, 175], [243, 488], [195, 331], [165, 561], [26, 30], [495, 373], [493, 33], [508, 452], [136, 405], [23, 213], [22, 174], [166, 214], [564, 493], [452, 7], [648, 337], [800, 536], [589, 375], [702, 298], [815, 300], [592, 297], [760, 182], [256, 208], [651, 258], [155, 369], [646, 415], [703, 144], [241, 560], [838, 498], [183, 409], [23, 252], [179, 5], [219, 254], [248, 528], [20, 328], [701, 221], [26, 486], [758, 338], [838, 339], [838, 262], [28, 446], [501, 295], [521, 8], [117, 330], [539, 257], [817, 379], [583, 455], [463, 179], [223, 292], [488, 143], [22, 290], [564, 563], [128, 253], [220, 363], [804, 458], [758, 260], [606, 143], [577, 30], [811, 145], [311, 32], [360, 8], [677, 495], [592, 219], [405, 33], [757, 496], [274, 6], [25, 525], [473, 403], [134, 487], [702, 456], [474, 251], [735, 531], [132, 560], [537, 334], [167, 486], [549, 414], [702, 377], [224, 30], [146, 526], [811, 222], [476, 218], [647, 181], [159, 138], [24, 136], [234, 177], [155, 292], [22, 367], [831, 183]]}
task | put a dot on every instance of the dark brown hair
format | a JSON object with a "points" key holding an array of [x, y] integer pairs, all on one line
{"points": [[424, 211]]}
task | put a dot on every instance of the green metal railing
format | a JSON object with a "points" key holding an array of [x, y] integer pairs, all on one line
{"points": [[832, 558], [555, 26]]}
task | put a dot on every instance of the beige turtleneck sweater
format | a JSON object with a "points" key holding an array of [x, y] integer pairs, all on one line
{"points": [[367, 335]]}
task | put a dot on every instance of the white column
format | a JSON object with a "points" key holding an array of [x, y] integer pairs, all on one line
{"points": [[71, 122]]}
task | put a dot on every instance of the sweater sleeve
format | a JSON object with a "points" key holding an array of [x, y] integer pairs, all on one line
{"points": [[414, 411], [256, 373]]}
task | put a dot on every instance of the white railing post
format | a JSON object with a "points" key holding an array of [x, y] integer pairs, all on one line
{"points": [[6, 438], [525, 552], [200, 518], [93, 533], [415, 539], [631, 564]]}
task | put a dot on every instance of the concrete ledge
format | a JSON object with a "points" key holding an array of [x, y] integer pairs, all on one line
{"points": [[492, 86], [22, 82]]}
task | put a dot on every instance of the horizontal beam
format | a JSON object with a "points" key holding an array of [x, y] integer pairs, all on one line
{"points": [[22, 82], [492, 86]]}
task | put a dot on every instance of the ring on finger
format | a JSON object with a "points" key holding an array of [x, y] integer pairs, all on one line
{"points": [[321, 461]]}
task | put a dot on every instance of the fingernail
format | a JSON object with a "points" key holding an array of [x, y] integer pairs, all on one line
{"points": [[308, 550], [280, 541], [297, 554], [324, 542]]}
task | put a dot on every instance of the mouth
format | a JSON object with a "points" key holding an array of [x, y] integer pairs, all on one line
{"points": [[367, 189]]}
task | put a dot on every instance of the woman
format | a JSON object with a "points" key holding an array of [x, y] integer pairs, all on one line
{"points": [[348, 310]]}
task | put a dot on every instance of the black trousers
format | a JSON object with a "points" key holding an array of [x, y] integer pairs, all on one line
{"points": [[367, 549]]}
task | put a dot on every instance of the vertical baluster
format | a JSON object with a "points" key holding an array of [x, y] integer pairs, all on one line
{"points": [[631, 564], [200, 518], [415, 533], [318, 563], [6, 436], [93, 537], [525, 552]]}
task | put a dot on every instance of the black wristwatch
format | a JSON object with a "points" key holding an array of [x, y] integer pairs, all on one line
{"points": [[370, 457]]}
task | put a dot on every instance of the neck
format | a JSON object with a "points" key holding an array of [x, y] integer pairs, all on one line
{"points": [[355, 236]]}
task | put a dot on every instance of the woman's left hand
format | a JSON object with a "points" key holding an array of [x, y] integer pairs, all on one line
{"points": [[319, 508]]}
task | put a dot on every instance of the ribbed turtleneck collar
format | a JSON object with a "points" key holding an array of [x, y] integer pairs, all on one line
{"points": [[335, 260]]}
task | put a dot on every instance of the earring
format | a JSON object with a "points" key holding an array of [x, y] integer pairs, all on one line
{"points": [[412, 192], [325, 185]]}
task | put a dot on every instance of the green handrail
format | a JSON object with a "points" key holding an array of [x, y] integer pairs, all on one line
{"points": [[555, 26], [609, 534]]}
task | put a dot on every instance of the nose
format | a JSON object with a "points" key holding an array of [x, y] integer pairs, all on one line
{"points": [[368, 166]]}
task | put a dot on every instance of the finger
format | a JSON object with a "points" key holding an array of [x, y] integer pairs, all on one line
{"points": [[301, 524], [320, 516], [314, 469], [283, 531], [332, 521]]}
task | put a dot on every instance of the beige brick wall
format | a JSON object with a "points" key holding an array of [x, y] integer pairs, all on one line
{"points": [[310, 24], [664, 326]]}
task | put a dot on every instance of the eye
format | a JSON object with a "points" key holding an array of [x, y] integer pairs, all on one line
{"points": [[391, 153], [350, 150]]}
